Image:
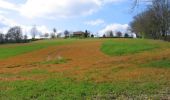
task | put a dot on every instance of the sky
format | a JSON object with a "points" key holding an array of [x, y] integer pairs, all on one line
{"points": [[97, 16]]}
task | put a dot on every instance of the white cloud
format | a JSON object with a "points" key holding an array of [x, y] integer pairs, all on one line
{"points": [[7, 5], [95, 22], [56, 8], [7, 22], [115, 27], [63, 8]]}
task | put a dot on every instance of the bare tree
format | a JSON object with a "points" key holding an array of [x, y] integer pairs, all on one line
{"points": [[2, 38], [25, 38], [155, 21], [34, 32], [46, 35], [14, 34], [59, 35], [52, 35], [119, 34], [55, 31]]}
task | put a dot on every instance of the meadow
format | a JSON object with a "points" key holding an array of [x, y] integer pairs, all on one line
{"points": [[75, 69]]}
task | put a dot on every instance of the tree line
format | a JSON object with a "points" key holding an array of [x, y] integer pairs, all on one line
{"points": [[14, 35], [154, 22]]}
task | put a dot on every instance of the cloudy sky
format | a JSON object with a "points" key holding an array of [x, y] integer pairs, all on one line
{"points": [[73, 15]]}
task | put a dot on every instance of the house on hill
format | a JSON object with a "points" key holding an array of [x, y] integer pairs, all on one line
{"points": [[78, 34]]}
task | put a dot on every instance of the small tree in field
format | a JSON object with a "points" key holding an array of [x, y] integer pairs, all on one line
{"points": [[119, 34], [52, 35], [34, 32], [86, 34], [25, 38], [46, 35], [54, 31], [66, 33], [126, 35]]}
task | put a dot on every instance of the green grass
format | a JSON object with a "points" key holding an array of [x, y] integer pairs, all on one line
{"points": [[68, 89], [125, 47], [158, 64], [12, 50], [57, 85], [33, 72]]}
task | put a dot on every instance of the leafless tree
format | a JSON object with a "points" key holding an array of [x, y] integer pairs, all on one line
{"points": [[55, 31], [2, 38], [34, 32], [155, 21], [46, 35], [14, 34]]}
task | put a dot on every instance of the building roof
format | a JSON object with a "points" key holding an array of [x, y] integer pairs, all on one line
{"points": [[78, 33]]}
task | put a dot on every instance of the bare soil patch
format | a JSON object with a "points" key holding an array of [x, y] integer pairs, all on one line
{"points": [[86, 62]]}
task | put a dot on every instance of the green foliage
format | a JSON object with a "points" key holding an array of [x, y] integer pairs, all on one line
{"points": [[12, 50], [124, 47]]}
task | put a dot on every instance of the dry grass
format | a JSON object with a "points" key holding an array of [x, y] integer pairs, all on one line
{"points": [[88, 63]]}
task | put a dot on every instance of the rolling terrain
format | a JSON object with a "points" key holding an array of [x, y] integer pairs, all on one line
{"points": [[85, 69]]}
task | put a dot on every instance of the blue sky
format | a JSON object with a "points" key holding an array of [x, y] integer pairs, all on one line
{"points": [[74, 15]]}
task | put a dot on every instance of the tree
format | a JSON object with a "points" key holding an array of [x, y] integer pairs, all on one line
{"points": [[25, 38], [86, 34], [46, 35], [52, 36], [92, 36], [59, 35], [119, 34], [34, 32], [111, 33], [14, 34], [104, 35], [155, 21], [2, 38], [66, 33], [126, 35], [55, 31]]}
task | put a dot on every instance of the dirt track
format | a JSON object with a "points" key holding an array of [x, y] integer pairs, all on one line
{"points": [[86, 59]]}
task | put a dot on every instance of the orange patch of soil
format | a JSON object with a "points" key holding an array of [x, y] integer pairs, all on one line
{"points": [[86, 62]]}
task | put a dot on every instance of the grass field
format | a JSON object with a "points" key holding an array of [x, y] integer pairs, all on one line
{"points": [[99, 69], [118, 48], [13, 50]]}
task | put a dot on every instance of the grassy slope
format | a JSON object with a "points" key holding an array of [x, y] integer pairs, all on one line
{"points": [[68, 89], [125, 47], [129, 47], [60, 87], [13, 50]]}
